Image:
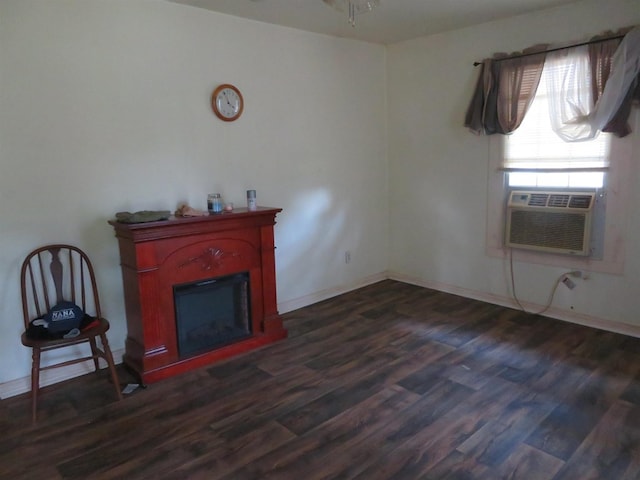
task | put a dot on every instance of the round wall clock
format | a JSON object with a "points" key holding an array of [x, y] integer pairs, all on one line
{"points": [[227, 102]]}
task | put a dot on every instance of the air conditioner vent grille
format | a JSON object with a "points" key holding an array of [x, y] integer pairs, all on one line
{"points": [[558, 200], [538, 199], [580, 201]]}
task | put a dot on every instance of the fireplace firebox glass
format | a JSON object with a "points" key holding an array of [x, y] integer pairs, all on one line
{"points": [[212, 313]]}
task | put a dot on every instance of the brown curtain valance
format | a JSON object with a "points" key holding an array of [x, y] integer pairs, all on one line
{"points": [[505, 89], [507, 83]]}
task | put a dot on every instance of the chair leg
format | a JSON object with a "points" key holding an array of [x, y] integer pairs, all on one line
{"points": [[112, 366], [35, 382], [94, 352]]}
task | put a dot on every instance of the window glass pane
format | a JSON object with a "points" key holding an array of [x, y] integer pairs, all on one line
{"points": [[523, 179], [586, 179], [556, 180]]}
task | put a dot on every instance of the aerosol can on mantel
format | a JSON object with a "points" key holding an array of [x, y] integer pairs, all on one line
{"points": [[252, 203]]}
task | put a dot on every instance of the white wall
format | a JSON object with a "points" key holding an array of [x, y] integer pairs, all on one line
{"points": [[439, 171], [104, 107]]}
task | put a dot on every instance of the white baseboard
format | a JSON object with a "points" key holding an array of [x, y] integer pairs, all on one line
{"points": [[49, 377], [556, 313], [55, 375], [296, 303]]}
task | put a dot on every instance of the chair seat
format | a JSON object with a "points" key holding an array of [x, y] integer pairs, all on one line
{"points": [[45, 343]]}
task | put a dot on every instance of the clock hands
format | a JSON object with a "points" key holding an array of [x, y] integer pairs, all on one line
{"points": [[227, 100]]}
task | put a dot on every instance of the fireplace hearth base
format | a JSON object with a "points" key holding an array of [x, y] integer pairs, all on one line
{"points": [[155, 257]]}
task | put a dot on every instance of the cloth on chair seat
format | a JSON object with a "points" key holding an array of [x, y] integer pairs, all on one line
{"points": [[39, 328]]}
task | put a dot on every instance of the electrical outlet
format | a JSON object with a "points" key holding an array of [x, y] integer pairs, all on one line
{"points": [[347, 256], [568, 282]]}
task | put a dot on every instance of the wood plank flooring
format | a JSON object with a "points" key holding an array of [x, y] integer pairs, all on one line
{"points": [[391, 381]]}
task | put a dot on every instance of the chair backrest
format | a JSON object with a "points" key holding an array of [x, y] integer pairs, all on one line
{"points": [[54, 273]]}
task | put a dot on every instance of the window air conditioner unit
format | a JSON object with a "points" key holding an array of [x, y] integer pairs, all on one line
{"points": [[555, 222]]}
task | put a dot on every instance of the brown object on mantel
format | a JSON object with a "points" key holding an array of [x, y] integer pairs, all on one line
{"points": [[157, 256], [187, 211]]}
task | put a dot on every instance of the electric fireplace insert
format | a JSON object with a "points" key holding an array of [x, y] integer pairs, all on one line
{"points": [[212, 313]]}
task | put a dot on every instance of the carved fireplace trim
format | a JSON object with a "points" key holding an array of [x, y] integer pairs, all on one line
{"points": [[156, 256]]}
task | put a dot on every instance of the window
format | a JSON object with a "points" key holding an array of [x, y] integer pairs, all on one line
{"points": [[536, 157], [532, 157]]}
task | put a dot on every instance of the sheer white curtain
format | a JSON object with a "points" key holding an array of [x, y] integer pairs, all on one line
{"points": [[574, 113], [624, 71], [567, 75]]}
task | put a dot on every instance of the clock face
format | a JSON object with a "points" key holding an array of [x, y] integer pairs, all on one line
{"points": [[227, 102]]}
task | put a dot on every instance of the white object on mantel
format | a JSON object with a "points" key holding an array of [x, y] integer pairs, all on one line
{"points": [[252, 202]]}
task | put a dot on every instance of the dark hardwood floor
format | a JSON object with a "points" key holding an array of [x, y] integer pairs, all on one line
{"points": [[391, 381]]}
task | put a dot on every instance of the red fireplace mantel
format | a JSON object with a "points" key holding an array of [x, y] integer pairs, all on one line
{"points": [[156, 256]]}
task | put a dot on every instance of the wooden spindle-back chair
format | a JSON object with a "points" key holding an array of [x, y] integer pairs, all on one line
{"points": [[50, 275]]}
